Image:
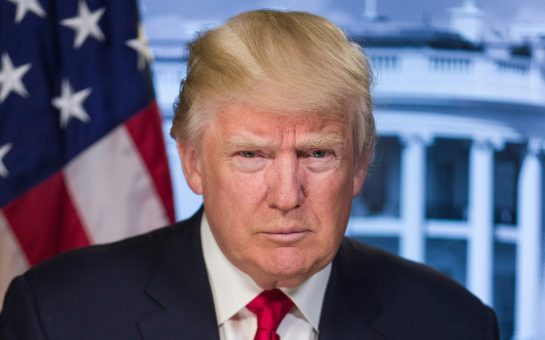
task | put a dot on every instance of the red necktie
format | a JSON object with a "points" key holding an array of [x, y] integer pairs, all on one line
{"points": [[270, 307]]}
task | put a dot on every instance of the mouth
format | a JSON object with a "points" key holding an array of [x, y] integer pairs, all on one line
{"points": [[288, 236]]}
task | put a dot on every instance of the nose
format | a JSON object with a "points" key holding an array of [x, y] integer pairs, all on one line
{"points": [[285, 184]]}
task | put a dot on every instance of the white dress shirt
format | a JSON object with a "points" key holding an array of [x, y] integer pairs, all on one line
{"points": [[232, 290]]}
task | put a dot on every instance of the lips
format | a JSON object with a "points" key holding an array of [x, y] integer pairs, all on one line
{"points": [[290, 235]]}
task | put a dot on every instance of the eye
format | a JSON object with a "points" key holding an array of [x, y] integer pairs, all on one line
{"points": [[247, 154], [249, 161], [320, 160], [319, 153]]}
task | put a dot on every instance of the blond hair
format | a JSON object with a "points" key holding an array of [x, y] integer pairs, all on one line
{"points": [[281, 62]]}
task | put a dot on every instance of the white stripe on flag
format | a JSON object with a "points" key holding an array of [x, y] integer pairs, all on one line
{"points": [[12, 259], [112, 189]]}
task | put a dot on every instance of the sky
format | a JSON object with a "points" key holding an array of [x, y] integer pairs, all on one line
{"points": [[498, 13]]}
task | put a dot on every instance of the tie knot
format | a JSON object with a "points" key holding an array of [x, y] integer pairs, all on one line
{"points": [[270, 307]]}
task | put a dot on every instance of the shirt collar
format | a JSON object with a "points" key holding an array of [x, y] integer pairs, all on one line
{"points": [[232, 289]]}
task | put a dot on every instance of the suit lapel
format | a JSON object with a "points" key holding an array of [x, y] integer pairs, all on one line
{"points": [[350, 304], [180, 287]]}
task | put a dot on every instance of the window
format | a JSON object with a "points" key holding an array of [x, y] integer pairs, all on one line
{"points": [[504, 286], [449, 257], [507, 163], [447, 179]]}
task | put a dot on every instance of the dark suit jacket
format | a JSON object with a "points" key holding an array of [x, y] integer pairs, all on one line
{"points": [[155, 286]]}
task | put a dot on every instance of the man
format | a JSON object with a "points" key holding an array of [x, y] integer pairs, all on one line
{"points": [[275, 130]]}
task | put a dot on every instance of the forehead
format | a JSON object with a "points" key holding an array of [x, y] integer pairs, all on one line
{"points": [[241, 119]]}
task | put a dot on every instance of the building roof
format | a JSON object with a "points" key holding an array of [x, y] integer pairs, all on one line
{"points": [[385, 34]]}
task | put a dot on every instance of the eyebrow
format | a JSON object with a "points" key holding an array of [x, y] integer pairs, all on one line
{"points": [[327, 141], [245, 142], [309, 142]]}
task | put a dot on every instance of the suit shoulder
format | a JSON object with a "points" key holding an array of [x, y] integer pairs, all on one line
{"points": [[402, 280], [416, 301], [104, 254], [99, 291], [95, 266]]}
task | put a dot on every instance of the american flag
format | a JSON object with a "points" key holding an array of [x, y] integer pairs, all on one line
{"points": [[82, 157]]}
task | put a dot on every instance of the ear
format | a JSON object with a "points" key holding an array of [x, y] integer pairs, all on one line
{"points": [[191, 165], [360, 174]]}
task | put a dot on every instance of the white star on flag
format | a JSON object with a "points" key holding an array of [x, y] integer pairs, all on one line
{"points": [[85, 24], [11, 78], [140, 45], [4, 149], [71, 104], [23, 6]]}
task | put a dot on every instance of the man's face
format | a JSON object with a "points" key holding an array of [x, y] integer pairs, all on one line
{"points": [[277, 190]]}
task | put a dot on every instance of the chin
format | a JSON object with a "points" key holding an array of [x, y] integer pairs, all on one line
{"points": [[287, 270]]}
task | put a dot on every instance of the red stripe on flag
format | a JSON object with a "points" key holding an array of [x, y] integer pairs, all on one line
{"points": [[147, 134], [45, 221]]}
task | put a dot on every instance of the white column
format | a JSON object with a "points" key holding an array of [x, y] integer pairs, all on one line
{"points": [[527, 319], [480, 248], [413, 197]]}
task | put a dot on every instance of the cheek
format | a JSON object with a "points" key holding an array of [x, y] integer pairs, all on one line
{"points": [[332, 190], [234, 199], [331, 201], [244, 191]]}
